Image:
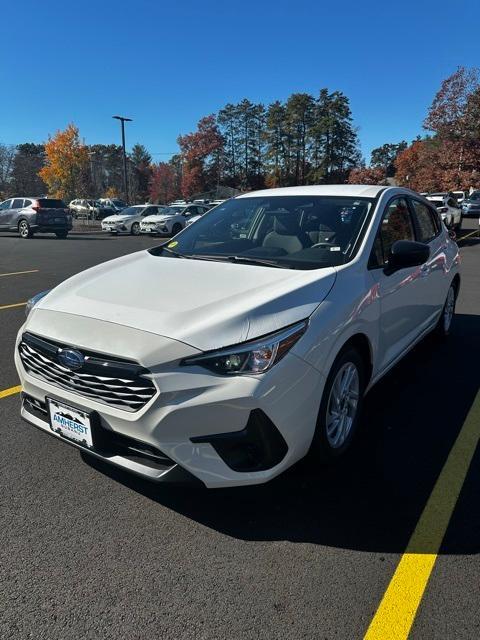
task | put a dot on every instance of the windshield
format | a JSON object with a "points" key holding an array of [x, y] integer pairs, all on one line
{"points": [[297, 232], [131, 211], [474, 196]]}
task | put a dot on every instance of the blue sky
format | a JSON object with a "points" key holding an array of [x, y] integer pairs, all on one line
{"points": [[168, 64]]}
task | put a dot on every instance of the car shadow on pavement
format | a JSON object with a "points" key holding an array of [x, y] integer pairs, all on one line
{"points": [[371, 499]]}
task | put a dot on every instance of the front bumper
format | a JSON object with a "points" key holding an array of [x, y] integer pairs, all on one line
{"points": [[155, 231], [202, 423]]}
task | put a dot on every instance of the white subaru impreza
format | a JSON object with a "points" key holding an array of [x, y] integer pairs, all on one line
{"points": [[275, 312]]}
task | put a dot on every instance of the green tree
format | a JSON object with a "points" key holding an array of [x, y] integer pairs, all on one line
{"points": [[140, 173], [28, 161], [385, 156]]}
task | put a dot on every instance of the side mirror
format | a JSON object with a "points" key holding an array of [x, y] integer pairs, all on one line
{"points": [[406, 253]]}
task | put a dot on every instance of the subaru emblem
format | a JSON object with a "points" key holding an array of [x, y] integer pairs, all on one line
{"points": [[71, 359]]}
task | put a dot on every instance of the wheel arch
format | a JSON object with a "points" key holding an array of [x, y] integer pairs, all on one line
{"points": [[362, 344]]}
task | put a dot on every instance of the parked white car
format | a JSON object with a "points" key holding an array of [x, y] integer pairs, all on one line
{"points": [[129, 219], [172, 219], [227, 358], [449, 210]]}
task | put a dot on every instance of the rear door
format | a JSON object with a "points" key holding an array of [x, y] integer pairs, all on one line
{"points": [[5, 213], [402, 310]]}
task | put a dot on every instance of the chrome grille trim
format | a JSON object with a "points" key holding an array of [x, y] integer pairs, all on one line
{"points": [[129, 394]]}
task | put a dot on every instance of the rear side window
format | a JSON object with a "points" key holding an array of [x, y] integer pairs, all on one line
{"points": [[396, 225], [17, 203], [50, 203], [427, 221], [27, 203]]}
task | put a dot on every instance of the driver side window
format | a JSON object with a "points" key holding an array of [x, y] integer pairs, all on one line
{"points": [[396, 225]]}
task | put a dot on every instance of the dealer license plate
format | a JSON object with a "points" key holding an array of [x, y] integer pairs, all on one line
{"points": [[71, 423]]}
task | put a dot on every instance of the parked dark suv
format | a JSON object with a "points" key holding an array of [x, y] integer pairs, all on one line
{"points": [[35, 215]]}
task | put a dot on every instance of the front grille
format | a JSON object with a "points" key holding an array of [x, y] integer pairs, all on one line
{"points": [[117, 383]]}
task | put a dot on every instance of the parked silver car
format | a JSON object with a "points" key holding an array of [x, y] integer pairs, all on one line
{"points": [[35, 215]]}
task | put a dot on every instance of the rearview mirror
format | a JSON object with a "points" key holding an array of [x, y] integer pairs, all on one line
{"points": [[406, 253]]}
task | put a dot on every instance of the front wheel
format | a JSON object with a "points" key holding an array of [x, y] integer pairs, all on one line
{"points": [[135, 229], [24, 229], [341, 406], [61, 234]]}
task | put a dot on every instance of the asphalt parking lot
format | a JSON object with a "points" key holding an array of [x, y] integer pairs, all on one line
{"points": [[89, 552]]}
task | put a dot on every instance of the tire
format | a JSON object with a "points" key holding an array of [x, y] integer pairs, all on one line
{"points": [[444, 324], [177, 227], [24, 229], [330, 442], [135, 229], [61, 234]]}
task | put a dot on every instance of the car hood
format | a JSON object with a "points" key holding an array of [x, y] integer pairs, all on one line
{"points": [[204, 304], [117, 218]]}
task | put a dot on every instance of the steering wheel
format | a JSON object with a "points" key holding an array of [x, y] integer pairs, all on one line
{"points": [[321, 245]]}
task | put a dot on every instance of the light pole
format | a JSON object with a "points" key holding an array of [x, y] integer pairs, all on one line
{"points": [[125, 179]]}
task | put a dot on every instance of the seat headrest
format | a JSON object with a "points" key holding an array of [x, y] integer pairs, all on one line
{"points": [[286, 224]]}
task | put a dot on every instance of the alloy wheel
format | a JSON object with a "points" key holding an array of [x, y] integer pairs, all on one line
{"points": [[342, 404], [23, 229]]}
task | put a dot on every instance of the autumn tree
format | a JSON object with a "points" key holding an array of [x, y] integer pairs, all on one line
{"points": [[454, 119], [200, 152], [163, 187], [418, 166], [66, 164], [366, 175]]}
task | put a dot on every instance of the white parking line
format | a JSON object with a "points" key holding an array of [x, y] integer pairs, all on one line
{"points": [[18, 273]]}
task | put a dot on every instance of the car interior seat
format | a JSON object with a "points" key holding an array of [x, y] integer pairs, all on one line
{"points": [[287, 234]]}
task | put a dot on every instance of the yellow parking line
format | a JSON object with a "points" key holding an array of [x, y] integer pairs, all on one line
{"points": [[396, 613], [18, 273], [11, 306], [10, 392]]}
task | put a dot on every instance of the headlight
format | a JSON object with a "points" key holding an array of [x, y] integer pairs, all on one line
{"points": [[252, 357], [33, 301]]}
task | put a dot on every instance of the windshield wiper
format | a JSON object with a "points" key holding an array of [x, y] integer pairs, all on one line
{"points": [[174, 253], [241, 259], [261, 261]]}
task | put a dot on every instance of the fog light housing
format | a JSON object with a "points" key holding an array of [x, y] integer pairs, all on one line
{"points": [[258, 447]]}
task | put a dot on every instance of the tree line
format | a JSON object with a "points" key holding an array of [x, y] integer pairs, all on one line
{"points": [[67, 168], [304, 140]]}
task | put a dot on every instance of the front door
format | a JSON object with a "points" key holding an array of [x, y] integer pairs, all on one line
{"points": [[402, 311]]}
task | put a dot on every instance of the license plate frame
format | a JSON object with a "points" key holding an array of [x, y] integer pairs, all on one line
{"points": [[71, 423]]}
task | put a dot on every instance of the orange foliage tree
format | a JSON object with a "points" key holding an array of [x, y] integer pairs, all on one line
{"points": [[66, 164], [366, 175], [201, 153]]}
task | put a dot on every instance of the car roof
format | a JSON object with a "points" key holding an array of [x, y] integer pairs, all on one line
{"points": [[352, 190]]}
